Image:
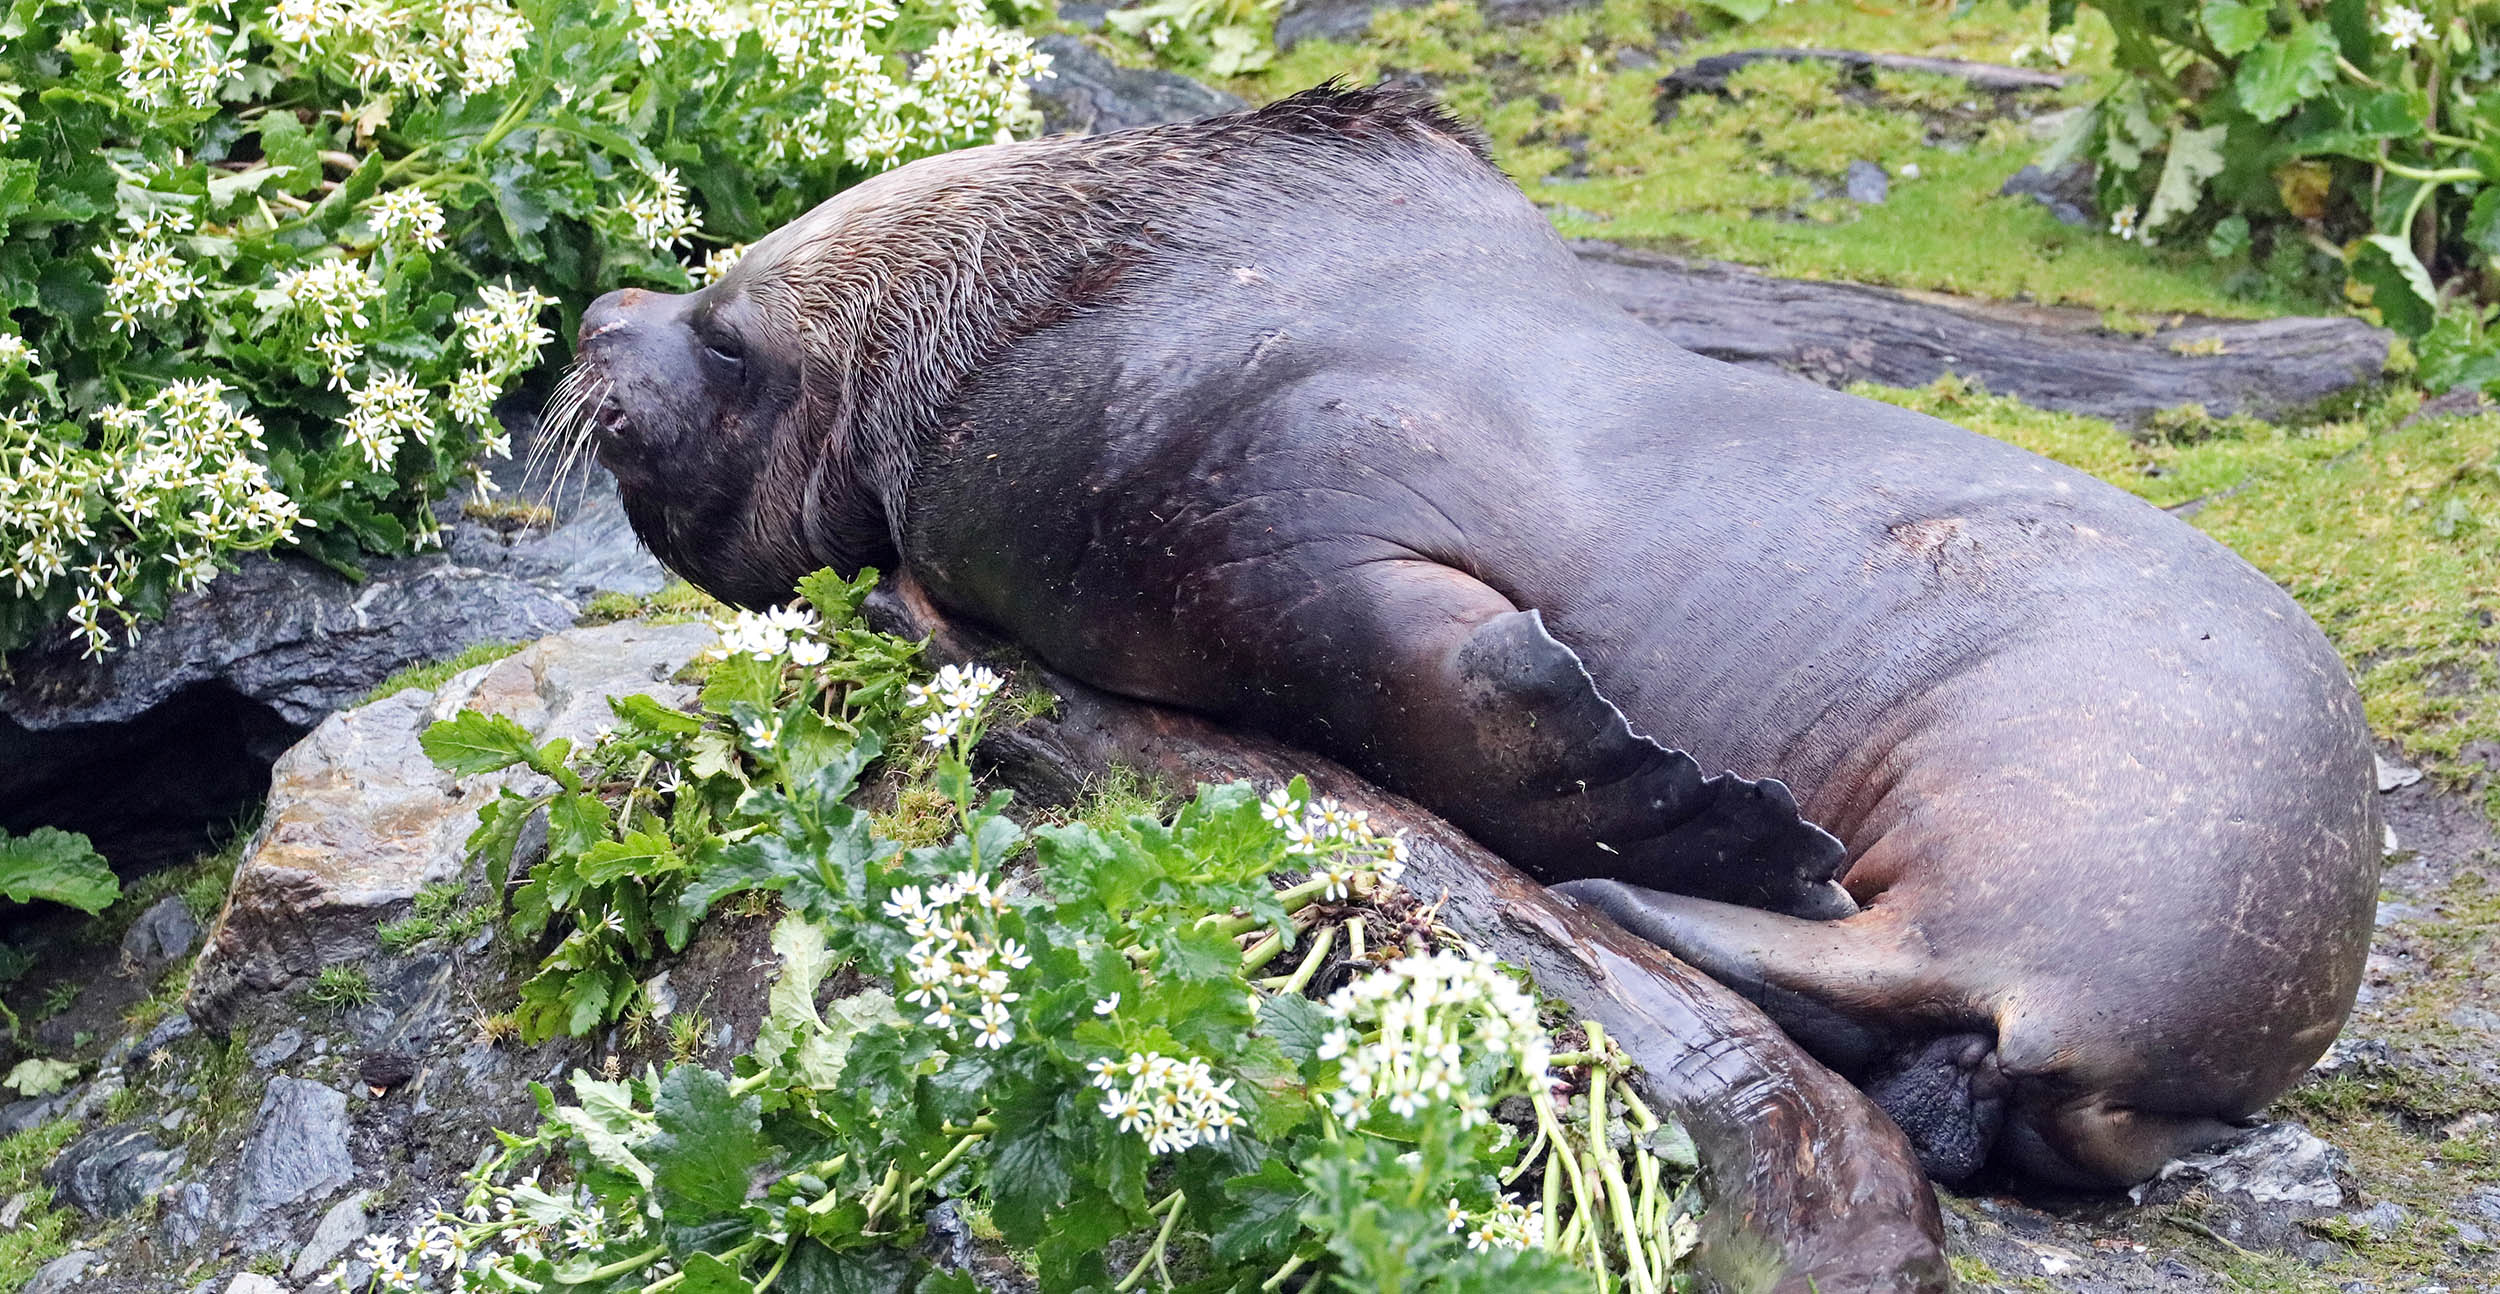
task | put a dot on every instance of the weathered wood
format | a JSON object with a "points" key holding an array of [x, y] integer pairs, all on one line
{"points": [[2056, 358], [1709, 75], [1808, 1185]]}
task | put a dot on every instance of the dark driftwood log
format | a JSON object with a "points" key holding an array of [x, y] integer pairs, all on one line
{"points": [[1809, 1187], [2057, 358], [1709, 75]]}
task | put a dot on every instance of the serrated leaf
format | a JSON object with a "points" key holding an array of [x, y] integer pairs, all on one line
{"points": [[59, 866], [2280, 74], [470, 743], [1295, 1025], [707, 1140], [40, 1076], [705, 1274], [1261, 1215], [815, 1269], [2195, 157], [2400, 287]]}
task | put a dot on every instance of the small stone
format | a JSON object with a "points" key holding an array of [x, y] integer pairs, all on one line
{"points": [[342, 1226], [298, 1149], [254, 1283], [112, 1170], [2468, 1233], [2388, 844], [2391, 913], [2393, 776], [186, 1216], [1909, 170], [61, 1274], [15, 1209], [162, 934], [2480, 1019], [2385, 1217], [151, 1050], [276, 1051], [1868, 184]]}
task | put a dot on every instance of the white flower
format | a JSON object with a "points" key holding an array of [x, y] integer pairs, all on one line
{"points": [[502, 331], [661, 219], [807, 653], [1172, 1104], [2122, 222], [1107, 1005], [2404, 27], [337, 291], [407, 216], [15, 353]]}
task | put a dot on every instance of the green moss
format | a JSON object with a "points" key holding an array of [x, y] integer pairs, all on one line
{"points": [[1570, 103], [440, 912], [675, 603], [343, 985], [434, 675], [42, 1233]]}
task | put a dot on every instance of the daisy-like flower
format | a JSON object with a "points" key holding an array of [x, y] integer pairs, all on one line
{"points": [[2122, 222], [407, 216], [2404, 27], [1173, 1104], [15, 353], [1107, 1005]]}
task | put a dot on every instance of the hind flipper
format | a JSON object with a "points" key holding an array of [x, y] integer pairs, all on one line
{"points": [[1842, 989]]}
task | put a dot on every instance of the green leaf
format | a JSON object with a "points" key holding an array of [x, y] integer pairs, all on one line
{"points": [[2482, 222], [814, 1269], [2399, 286], [2280, 74], [2228, 239], [2235, 28], [1261, 1215], [61, 866], [470, 743], [707, 1141], [2195, 157], [1029, 1177], [1295, 1024], [837, 599], [708, 1275], [647, 715], [40, 1076], [640, 854]]}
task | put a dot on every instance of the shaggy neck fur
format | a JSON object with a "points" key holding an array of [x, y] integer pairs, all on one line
{"points": [[905, 284]]}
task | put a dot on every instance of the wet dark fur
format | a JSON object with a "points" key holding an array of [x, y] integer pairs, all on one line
{"points": [[1305, 419]]}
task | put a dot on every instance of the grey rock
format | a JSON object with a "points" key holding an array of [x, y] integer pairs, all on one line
{"points": [[18, 1116], [96, 1095], [2480, 1019], [2486, 1204], [2385, 1217], [342, 1226], [61, 1274], [2066, 192], [1868, 184], [2054, 357], [162, 934], [189, 1211], [254, 1283], [2391, 913], [2259, 1189], [276, 1051], [359, 820], [168, 1031], [111, 1171], [15, 1209], [2393, 776], [1088, 94], [149, 747], [298, 1150], [1348, 19]]}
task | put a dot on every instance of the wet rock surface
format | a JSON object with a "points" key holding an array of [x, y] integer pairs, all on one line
{"points": [[1089, 94], [298, 1150]]}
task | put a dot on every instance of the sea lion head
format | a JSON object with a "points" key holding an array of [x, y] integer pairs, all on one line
{"points": [[763, 426], [687, 396]]}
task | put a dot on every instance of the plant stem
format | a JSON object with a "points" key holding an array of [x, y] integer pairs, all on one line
{"points": [[1171, 1206], [775, 1274], [624, 1265], [1285, 1273], [1610, 1167], [938, 1169]]}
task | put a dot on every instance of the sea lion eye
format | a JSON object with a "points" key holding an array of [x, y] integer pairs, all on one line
{"points": [[725, 349]]}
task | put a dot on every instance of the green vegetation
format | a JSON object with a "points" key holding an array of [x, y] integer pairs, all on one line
{"points": [[42, 1232], [341, 986], [1571, 106], [441, 911], [675, 603], [1112, 1052], [434, 674]]}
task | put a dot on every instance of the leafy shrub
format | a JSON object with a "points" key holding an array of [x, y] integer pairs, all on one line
{"points": [[61, 866], [2367, 128], [266, 266], [1072, 1030]]}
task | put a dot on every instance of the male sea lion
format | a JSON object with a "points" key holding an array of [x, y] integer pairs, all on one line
{"points": [[1305, 419]]}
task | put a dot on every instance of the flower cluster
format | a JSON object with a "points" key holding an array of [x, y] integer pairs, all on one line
{"points": [[768, 635], [958, 965], [337, 292], [953, 700], [2404, 27], [1173, 1104], [407, 216], [183, 59], [148, 281], [1342, 846], [383, 413], [181, 464], [659, 214], [1431, 1010], [1508, 1225]]}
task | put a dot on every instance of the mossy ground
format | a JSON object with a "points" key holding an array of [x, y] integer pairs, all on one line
{"points": [[1757, 176]]}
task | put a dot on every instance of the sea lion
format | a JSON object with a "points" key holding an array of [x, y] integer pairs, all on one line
{"points": [[1304, 418]]}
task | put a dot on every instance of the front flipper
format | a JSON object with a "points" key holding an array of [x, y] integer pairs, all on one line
{"points": [[1436, 685], [1645, 812]]}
